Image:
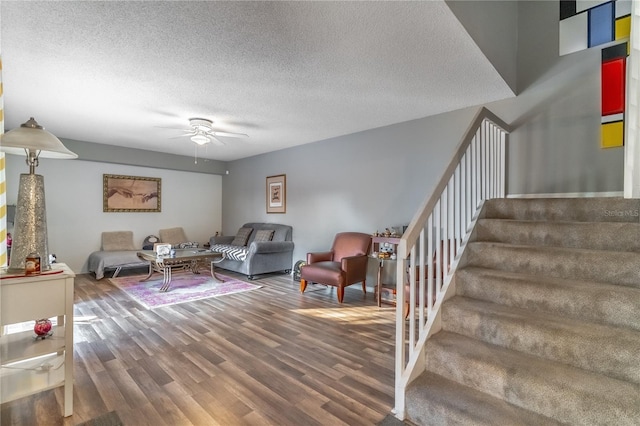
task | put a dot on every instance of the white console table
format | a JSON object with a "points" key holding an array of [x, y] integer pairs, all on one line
{"points": [[29, 365]]}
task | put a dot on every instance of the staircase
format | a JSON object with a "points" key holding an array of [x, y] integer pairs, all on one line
{"points": [[544, 326]]}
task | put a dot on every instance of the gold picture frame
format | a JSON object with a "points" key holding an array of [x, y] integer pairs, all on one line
{"points": [[131, 193], [277, 194]]}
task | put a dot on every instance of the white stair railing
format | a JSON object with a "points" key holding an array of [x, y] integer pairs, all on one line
{"points": [[439, 232]]}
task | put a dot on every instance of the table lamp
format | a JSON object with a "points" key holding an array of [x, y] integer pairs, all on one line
{"points": [[30, 226]]}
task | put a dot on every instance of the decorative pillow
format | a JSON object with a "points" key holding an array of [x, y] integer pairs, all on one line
{"points": [[242, 237], [117, 241], [188, 244], [148, 242], [264, 235]]}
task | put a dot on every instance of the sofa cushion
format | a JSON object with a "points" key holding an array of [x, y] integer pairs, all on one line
{"points": [[117, 241], [242, 237], [173, 236], [230, 251], [187, 245], [280, 232], [263, 235]]}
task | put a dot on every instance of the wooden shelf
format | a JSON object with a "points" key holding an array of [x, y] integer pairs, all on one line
{"points": [[18, 380], [23, 345], [29, 365], [392, 240], [387, 294]]}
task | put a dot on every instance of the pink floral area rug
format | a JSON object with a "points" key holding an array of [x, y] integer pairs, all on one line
{"points": [[185, 287]]}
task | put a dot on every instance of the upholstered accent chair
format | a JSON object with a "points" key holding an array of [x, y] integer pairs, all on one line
{"points": [[345, 264], [173, 236]]}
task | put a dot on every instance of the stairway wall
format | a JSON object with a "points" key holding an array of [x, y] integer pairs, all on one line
{"points": [[545, 326]]}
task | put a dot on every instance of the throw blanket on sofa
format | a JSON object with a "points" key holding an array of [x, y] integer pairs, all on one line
{"points": [[231, 252], [101, 260]]}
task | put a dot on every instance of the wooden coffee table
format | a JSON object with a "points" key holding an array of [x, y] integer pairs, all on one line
{"points": [[192, 259]]}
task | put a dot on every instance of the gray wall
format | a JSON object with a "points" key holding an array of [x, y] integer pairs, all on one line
{"points": [[365, 181], [361, 182], [378, 178], [138, 157], [75, 219], [493, 25], [556, 145]]}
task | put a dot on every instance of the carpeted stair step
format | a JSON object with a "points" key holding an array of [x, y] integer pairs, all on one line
{"points": [[603, 349], [616, 236], [564, 393], [594, 302], [622, 268], [564, 209], [433, 400]]}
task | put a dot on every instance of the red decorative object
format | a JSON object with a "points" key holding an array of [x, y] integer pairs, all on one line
{"points": [[42, 328]]}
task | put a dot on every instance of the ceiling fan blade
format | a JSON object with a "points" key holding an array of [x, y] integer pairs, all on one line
{"points": [[174, 128], [185, 134], [216, 141], [228, 134]]}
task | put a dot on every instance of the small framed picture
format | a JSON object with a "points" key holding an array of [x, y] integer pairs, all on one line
{"points": [[162, 249], [277, 194]]}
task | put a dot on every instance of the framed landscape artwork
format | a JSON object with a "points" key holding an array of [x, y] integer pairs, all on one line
{"points": [[131, 194], [277, 194]]}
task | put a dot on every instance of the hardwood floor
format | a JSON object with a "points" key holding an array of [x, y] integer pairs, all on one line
{"points": [[272, 356]]}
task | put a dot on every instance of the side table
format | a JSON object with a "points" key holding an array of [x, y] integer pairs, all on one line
{"points": [[27, 365], [389, 244], [383, 287]]}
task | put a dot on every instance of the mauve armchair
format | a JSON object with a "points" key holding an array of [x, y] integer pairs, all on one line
{"points": [[345, 264]]}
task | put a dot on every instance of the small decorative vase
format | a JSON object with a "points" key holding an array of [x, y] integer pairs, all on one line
{"points": [[42, 328]]}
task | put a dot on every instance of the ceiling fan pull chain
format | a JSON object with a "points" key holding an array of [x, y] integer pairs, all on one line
{"points": [[195, 156]]}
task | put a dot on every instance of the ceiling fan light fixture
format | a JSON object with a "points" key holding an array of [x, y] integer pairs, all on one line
{"points": [[200, 139], [201, 124]]}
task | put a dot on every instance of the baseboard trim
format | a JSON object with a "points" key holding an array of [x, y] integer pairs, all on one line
{"points": [[570, 195]]}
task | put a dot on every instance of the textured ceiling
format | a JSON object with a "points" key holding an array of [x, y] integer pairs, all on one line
{"points": [[285, 73]]}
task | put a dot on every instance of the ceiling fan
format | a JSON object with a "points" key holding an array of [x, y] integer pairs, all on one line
{"points": [[201, 132]]}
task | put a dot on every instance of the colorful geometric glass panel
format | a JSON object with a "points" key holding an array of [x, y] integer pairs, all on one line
{"points": [[590, 23], [623, 8], [567, 9], [623, 31], [613, 86], [612, 135], [601, 24], [574, 34], [623, 27], [582, 5]]}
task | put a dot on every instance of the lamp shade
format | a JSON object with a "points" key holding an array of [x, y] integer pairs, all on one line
{"points": [[32, 136]]}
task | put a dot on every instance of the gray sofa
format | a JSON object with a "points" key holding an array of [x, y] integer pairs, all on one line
{"points": [[257, 257]]}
